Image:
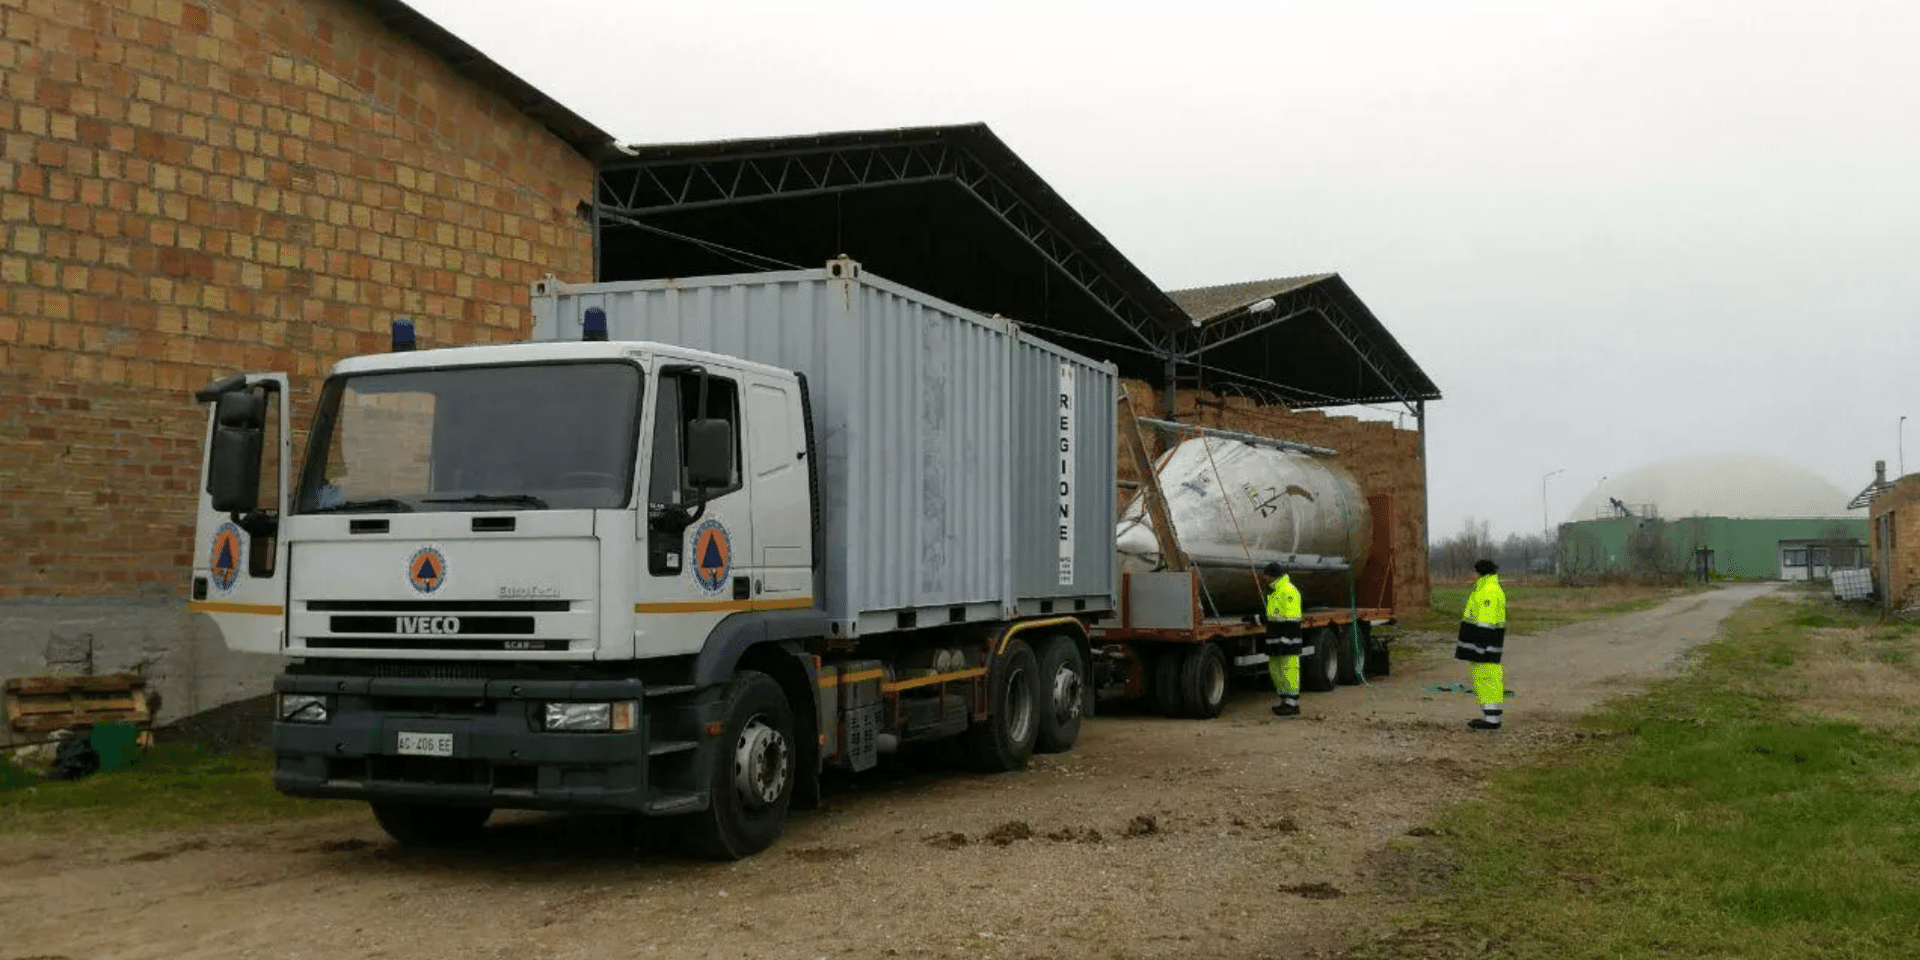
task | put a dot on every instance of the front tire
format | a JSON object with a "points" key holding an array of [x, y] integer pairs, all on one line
{"points": [[426, 825], [1063, 694], [753, 778], [1004, 741]]}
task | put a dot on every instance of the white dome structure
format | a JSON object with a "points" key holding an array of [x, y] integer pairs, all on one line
{"points": [[1731, 485]]}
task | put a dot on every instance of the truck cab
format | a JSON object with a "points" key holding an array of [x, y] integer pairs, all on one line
{"points": [[498, 568]]}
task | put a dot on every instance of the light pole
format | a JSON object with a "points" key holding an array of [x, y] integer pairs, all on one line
{"points": [[1902, 446], [1546, 527]]}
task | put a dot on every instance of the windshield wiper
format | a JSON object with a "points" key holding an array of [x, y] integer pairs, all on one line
{"points": [[388, 503], [525, 499]]}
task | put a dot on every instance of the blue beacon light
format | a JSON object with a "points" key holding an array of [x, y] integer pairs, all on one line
{"points": [[402, 335]]}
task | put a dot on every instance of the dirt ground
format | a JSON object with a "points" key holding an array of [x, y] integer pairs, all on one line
{"points": [[1241, 837]]}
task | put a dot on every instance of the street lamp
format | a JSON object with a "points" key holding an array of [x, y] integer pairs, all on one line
{"points": [[1546, 528], [1903, 446]]}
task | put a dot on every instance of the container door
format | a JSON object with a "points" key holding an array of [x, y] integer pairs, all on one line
{"points": [[239, 557]]}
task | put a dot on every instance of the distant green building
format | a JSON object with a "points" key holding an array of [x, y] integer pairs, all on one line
{"points": [[1790, 548]]}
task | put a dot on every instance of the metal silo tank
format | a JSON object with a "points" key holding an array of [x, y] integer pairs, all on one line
{"points": [[1236, 506]]}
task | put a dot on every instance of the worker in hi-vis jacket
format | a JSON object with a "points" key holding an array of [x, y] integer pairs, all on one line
{"points": [[1284, 641], [1483, 638]]}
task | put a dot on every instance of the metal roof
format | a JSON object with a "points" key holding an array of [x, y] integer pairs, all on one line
{"points": [[1206, 303], [949, 210], [590, 141], [952, 211], [1317, 345]]}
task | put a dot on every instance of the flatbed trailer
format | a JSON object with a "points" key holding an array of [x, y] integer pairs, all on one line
{"points": [[1169, 652], [1163, 645]]}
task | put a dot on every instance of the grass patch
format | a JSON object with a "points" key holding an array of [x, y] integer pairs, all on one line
{"points": [[175, 785], [1729, 812], [1533, 606]]}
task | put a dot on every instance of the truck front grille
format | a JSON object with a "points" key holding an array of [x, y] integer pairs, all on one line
{"points": [[434, 643], [439, 606]]}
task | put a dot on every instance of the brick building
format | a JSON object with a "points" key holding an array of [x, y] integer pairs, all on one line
{"points": [[190, 189], [1894, 523]]}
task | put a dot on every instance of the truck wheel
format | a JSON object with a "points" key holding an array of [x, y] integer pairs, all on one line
{"points": [[424, 825], [1379, 657], [1317, 671], [1349, 660], [1004, 740], [1203, 681], [1063, 691], [754, 774], [1168, 664]]}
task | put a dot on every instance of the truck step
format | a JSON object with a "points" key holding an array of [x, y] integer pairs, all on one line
{"points": [[674, 803], [660, 748], [670, 691]]}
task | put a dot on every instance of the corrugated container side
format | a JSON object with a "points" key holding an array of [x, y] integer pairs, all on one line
{"points": [[928, 526], [937, 453]]}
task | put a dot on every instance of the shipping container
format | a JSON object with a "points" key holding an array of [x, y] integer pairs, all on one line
{"points": [[965, 467]]}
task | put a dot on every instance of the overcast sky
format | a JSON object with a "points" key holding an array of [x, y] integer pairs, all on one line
{"points": [[1613, 232]]}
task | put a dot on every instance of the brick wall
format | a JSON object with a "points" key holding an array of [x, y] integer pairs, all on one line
{"points": [[1382, 458], [192, 189], [1897, 565]]}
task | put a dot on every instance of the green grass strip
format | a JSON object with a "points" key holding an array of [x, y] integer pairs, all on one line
{"points": [[174, 785], [1713, 817]]}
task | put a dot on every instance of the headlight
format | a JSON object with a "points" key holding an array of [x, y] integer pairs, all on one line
{"points": [[304, 708], [618, 715]]}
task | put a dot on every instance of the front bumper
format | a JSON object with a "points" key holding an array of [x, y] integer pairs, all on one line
{"points": [[500, 757]]}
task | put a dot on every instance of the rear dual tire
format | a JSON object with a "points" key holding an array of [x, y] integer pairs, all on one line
{"points": [[1191, 681]]}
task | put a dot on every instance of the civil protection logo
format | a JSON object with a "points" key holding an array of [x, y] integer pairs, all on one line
{"points": [[427, 569], [712, 555], [227, 554]]}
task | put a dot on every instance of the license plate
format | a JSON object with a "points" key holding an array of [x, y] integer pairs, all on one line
{"points": [[426, 744]]}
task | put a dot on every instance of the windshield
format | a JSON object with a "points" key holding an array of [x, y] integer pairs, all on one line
{"points": [[532, 436]]}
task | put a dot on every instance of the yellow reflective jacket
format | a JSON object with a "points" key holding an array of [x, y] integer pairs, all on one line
{"points": [[1487, 604], [1283, 601]]}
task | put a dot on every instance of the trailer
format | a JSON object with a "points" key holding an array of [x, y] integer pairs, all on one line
{"points": [[1169, 641]]}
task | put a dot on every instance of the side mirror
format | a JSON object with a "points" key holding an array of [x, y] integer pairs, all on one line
{"points": [[233, 463], [709, 454]]}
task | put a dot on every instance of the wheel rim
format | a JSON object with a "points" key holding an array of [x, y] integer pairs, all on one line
{"points": [[1329, 655], [760, 764], [1019, 705], [1216, 681], [1066, 694]]}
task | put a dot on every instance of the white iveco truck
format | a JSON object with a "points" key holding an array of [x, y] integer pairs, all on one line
{"points": [[698, 541]]}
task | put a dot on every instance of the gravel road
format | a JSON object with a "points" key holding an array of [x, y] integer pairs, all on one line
{"points": [[1240, 837]]}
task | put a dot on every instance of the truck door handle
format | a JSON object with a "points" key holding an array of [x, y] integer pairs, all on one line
{"points": [[742, 588]]}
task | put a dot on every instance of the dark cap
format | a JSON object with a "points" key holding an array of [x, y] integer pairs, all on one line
{"points": [[1273, 570], [1485, 567]]}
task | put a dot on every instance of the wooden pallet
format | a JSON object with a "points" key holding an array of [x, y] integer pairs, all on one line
{"points": [[46, 704]]}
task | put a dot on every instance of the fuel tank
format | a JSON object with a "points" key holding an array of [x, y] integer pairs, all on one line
{"points": [[1237, 506]]}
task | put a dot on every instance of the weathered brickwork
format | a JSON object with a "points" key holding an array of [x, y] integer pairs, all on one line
{"points": [[1382, 458], [193, 189], [1894, 522]]}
